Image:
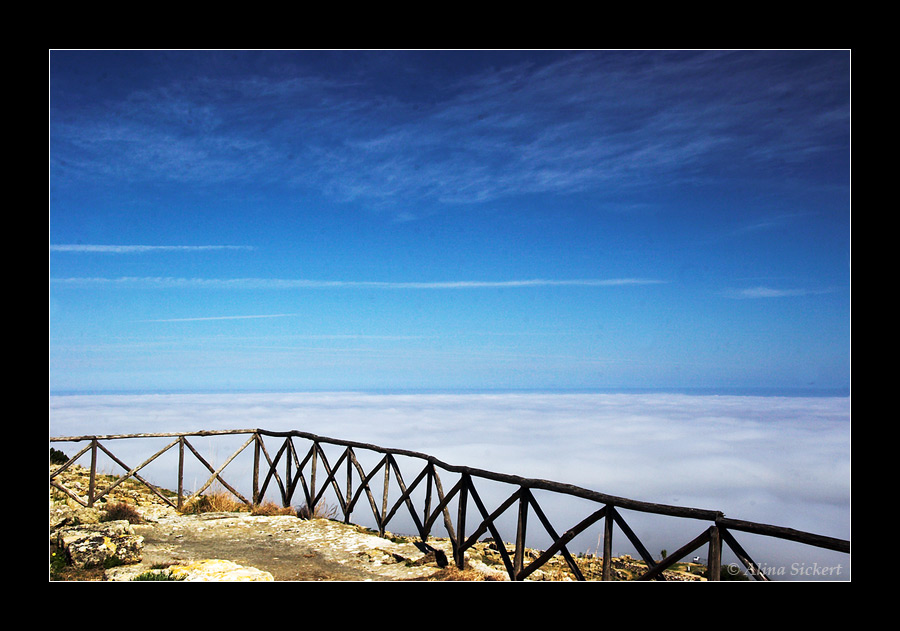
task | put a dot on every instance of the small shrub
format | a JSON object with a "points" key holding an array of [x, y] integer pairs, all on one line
{"points": [[120, 510], [158, 576], [58, 457], [58, 563]]}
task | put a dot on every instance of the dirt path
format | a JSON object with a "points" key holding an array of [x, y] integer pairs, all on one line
{"points": [[289, 548]]}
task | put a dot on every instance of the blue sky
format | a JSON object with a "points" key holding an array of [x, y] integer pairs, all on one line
{"points": [[401, 220]]}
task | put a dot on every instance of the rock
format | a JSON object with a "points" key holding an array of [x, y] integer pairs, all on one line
{"points": [[205, 570], [209, 570], [95, 545]]}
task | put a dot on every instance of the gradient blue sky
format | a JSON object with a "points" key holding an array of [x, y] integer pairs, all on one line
{"points": [[399, 220]]}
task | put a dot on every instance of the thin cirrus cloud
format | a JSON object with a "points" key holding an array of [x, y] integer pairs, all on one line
{"points": [[565, 124], [230, 317], [284, 283], [138, 249], [770, 292]]}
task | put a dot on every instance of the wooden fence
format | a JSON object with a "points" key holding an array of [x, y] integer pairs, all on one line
{"points": [[302, 471]]}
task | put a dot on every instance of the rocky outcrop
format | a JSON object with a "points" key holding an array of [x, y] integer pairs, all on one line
{"points": [[98, 544], [205, 570]]}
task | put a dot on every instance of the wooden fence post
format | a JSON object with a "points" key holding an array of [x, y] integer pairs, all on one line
{"points": [[521, 526], [349, 484], [257, 500], [92, 484], [461, 522], [312, 476], [607, 542], [180, 472], [714, 563]]}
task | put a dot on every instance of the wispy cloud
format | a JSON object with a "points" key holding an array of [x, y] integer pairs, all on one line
{"points": [[774, 222], [131, 249], [547, 124], [771, 292], [286, 283], [230, 317]]}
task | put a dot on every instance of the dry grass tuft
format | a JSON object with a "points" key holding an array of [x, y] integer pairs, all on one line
{"points": [[120, 510], [268, 509], [216, 502]]}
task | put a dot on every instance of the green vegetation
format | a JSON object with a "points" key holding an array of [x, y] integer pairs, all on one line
{"points": [[151, 575], [58, 457], [58, 564]]}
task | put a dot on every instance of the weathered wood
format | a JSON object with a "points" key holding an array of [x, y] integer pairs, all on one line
{"points": [[714, 556], [607, 545], [521, 528], [404, 499], [742, 555], [513, 566], [633, 538], [256, 496], [273, 471], [69, 462], [92, 482], [347, 508], [560, 542], [459, 548], [220, 432], [621, 502], [443, 505], [133, 472], [312, 476], [429, 490], [672, 559], [382, 526], [488, 521], [542, 517], [180, 503], [331, 479], [290, 482], [364, 487], [216, 472], [819, 541], [568, 489], [300, 477], [60, 487]]}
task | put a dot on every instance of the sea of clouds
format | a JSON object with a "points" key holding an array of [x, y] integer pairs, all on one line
{"points": [[777, 460]]}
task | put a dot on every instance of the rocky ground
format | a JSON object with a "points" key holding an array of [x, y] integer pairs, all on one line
{"points": [[240, 546]]}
